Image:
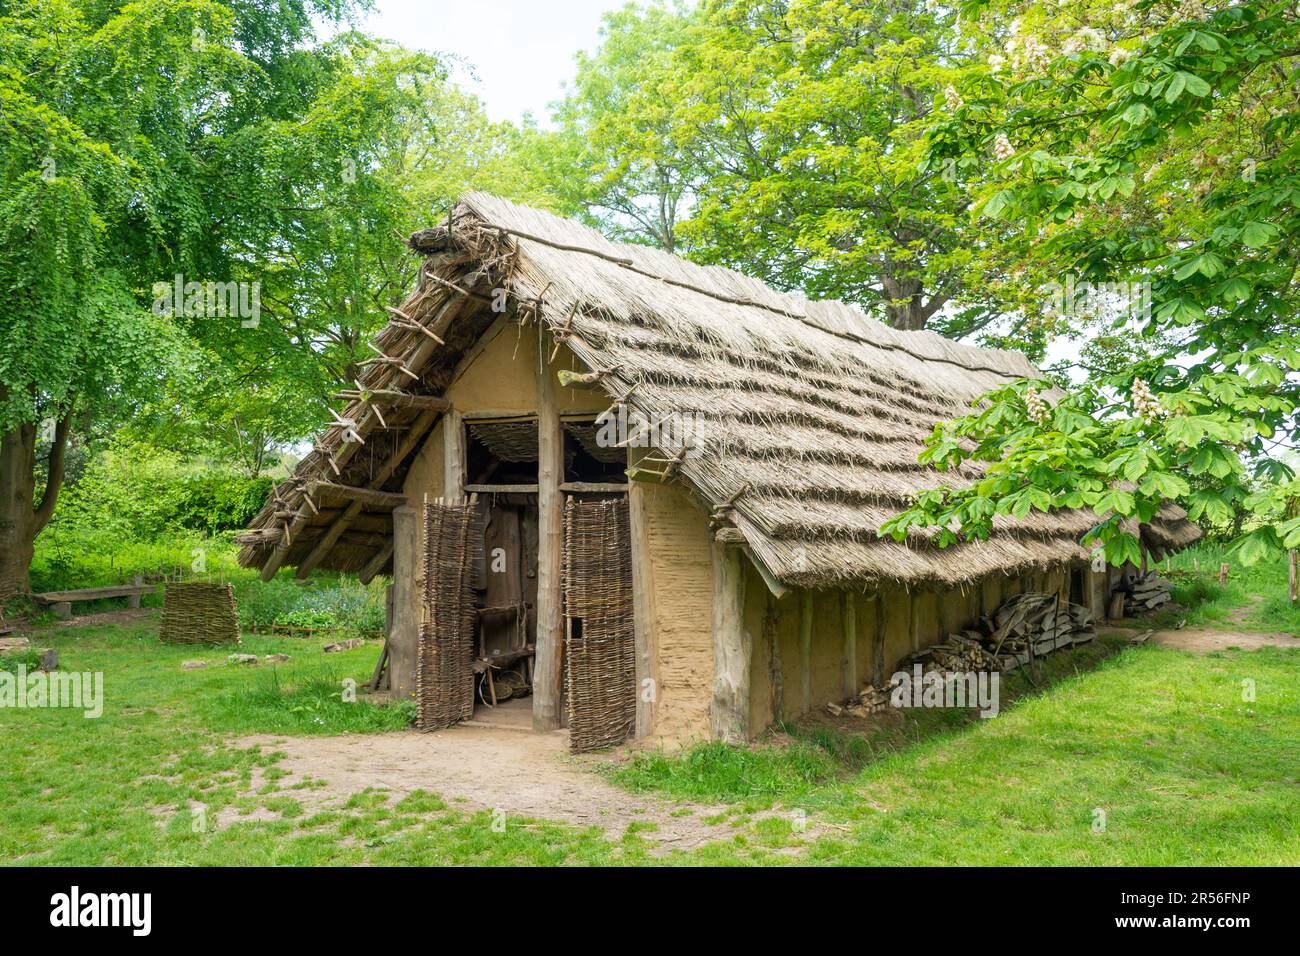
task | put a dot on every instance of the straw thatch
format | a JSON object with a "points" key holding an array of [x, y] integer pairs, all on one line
{"points": [[810, 414]]}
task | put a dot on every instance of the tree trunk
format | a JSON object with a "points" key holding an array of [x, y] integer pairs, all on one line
{"points": [[17, 516], [20, 519]]}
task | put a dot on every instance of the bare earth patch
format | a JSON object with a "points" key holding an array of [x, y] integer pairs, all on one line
{"points": [[1204, 640], [124, 616], [489, 768]]}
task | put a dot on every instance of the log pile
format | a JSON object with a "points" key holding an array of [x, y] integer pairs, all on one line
{"points": [[1025, 627], [1147, 594]]}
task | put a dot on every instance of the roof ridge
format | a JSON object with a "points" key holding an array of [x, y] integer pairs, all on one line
{"points": [[803, 317]]}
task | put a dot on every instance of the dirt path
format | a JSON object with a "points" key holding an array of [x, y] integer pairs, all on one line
{"points": [[1204, 640], [491, 768]]}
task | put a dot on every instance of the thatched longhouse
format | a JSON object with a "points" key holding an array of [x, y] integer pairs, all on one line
{"points": [[648, 489]]}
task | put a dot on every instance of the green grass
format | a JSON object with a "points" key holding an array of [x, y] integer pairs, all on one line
{"points": [[1185, 770], [806, 756]]}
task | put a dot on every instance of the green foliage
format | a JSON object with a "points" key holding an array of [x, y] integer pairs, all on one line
{"points": [[1102, 129], [318, 603], [785, 139], [135, 492]]}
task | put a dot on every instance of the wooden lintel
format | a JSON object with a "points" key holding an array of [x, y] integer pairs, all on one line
{"points": [[598, 487]]}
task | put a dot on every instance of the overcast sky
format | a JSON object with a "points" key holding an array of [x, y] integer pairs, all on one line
{"points": [[521, 51]]}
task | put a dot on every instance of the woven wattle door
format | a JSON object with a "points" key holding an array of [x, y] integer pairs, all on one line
{"points": [[444, 657], [599, 644]]}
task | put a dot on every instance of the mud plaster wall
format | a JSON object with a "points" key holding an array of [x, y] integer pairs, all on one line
{"points": [[502, 377], [680, 576], [905, 620]]}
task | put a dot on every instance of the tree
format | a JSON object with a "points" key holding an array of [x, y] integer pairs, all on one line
{"points": [[386, 144], [1154, 147], [632, 178], [122, 129]]}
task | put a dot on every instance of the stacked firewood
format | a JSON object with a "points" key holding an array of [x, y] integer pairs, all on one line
{"points": [[1025, 627], [1147, 594]]}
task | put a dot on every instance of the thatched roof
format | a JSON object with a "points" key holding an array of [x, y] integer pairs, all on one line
{"points": [[813, 413]]}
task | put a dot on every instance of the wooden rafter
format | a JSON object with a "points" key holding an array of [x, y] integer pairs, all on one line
{"points": [[413, 438], [447, 312]]}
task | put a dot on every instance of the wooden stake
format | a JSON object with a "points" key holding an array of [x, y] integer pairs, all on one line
{"points": [[849, 659], [1223, 574], [1293, 576]]}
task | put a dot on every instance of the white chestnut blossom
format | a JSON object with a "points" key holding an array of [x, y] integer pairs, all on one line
{"points": [[1002, 148]]}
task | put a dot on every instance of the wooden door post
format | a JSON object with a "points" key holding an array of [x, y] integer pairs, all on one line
{"points": [[548, 670]]}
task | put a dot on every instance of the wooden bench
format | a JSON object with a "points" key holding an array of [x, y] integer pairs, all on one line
{"points": [[61, 601]]}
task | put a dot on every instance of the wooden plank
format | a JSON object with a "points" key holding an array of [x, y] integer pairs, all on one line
{"points": [[548, 667], [805, 646], [419, 429], [93, 594], [600, 487], [729, 713], [501, 489]]}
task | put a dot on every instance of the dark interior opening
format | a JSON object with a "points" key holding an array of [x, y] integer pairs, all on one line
{"points": [[588, 457], [506, 581], [501, 453], [1077, 578]]}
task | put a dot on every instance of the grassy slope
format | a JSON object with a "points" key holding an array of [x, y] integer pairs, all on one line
{"points": [[1186, 771]]}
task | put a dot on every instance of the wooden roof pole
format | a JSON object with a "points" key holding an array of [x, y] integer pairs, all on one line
{"points": [[376, 564], [447, 313], [355, 507]]}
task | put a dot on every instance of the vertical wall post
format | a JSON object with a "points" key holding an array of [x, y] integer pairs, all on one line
{"points": [[805, 646], [548, 670], [647, 678], [849, 659], [404, 631], [729, 714], [453, 444]]}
